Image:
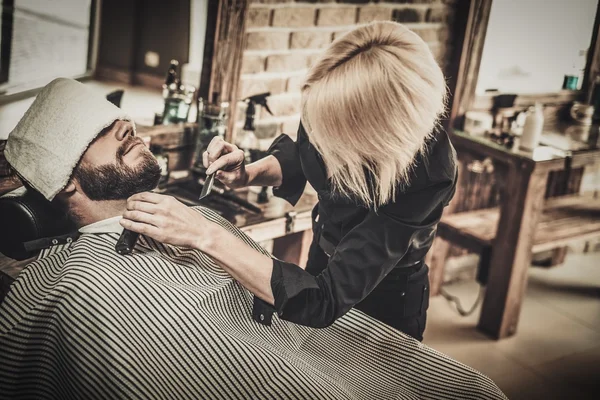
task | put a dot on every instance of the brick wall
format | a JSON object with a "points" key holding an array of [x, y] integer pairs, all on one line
{"points": [[284, 37]]}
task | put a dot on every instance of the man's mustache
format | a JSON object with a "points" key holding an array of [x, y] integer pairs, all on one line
{"points": [[128, 143]]}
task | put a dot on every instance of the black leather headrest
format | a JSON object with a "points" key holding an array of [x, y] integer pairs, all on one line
{"points": [[25, 216]]}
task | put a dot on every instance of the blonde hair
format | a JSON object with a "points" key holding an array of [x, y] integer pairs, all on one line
{"points": [[369, 105]]}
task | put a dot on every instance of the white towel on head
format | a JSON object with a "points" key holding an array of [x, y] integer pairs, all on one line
{"points": [[56, 130]]}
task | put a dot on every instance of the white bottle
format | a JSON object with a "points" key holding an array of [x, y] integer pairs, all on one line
{"points": [[532, 130]]}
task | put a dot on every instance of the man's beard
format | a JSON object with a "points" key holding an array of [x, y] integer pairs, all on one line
{"points": [[119, 181]]}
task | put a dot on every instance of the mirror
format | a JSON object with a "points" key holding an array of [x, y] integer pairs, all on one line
{"points": [[530, 45]]}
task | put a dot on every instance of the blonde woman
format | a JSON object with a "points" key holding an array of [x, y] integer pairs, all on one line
{"points": [[368, 144]]}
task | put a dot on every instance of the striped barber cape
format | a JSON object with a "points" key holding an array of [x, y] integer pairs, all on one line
{"points": [[83, 322]]}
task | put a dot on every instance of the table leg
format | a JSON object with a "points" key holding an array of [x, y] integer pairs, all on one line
{"points": [[294, 247], [436, 260], [521, 207]]}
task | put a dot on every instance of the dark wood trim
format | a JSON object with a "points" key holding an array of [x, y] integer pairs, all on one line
{"points": [[128, 77], [592, 68], [7, 14], [210, 42], [470, 60], [148, 80], [223, 50], [104, 73], [459, 27], [94, 33]]}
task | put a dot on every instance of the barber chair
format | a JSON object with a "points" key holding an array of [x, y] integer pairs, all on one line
{"points": [[29, 224]]}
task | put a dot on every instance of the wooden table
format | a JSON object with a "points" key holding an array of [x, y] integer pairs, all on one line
{"points": [[525, 176]]}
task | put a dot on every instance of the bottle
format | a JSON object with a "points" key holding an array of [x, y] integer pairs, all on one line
{"points": [[172, 102], [172, 95], [532, 130], [186, 95], [172, 79], [246, 139]]}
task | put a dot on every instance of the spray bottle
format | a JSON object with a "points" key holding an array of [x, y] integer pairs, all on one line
{"points": [[246, 139]]}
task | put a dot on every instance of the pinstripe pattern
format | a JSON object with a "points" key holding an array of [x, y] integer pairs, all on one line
{"points": [[83, 322]]}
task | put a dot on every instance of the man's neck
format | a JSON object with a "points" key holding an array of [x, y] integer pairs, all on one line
{"points": [[100, 210]]}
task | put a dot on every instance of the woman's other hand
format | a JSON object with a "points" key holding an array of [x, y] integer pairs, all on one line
{"points": [[227, 161], [166, 220]]}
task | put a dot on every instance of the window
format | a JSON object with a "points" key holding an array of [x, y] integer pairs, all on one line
{"points": [[44, 39]]}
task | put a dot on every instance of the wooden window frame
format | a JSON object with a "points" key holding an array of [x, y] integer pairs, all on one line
{"points": [[225, 40], [6, 13]]}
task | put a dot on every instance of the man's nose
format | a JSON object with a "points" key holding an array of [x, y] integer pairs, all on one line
{"points": [[124, 131]]}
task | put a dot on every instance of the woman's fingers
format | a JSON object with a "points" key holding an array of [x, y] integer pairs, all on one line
{"points": [[143, 228], [171, 223], [140, 216], [216, 148], [148, 197], [232, 159], [226, 177], [133, 205], [205, 159]]}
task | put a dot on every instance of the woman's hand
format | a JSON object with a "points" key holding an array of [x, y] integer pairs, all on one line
{"points": [[166, 220], [227, 161]]}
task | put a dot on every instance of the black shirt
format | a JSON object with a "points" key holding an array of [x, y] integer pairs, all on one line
{"points": [[364, 245]]}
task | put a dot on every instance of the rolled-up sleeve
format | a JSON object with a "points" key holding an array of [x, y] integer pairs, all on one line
{"points": [[285, 150]]}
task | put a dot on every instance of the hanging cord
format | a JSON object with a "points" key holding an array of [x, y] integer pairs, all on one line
{"points": [[453, 299]]}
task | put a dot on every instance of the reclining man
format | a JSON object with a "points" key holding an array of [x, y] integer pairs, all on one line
{"points": [[167, 322]]}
